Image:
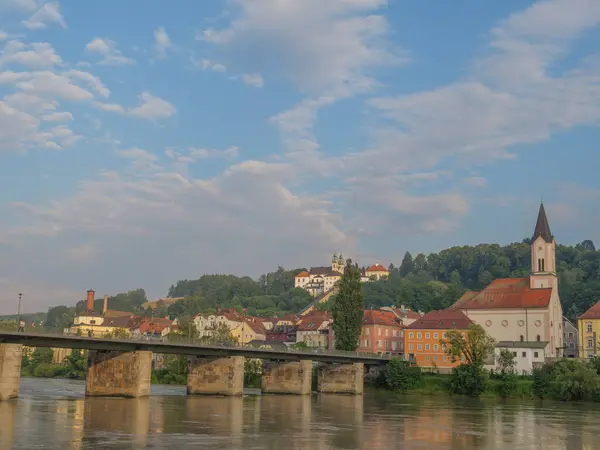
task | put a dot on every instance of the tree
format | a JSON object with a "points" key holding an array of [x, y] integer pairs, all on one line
{"points": [[407, 265], [117, 333], [401, 375], [220, 334], [347, 309], [474, 349], [506, 361]]}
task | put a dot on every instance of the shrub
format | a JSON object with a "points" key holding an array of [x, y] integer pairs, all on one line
{"points": [[467, 379], [507, 385], [47, 370], [400, 375]]}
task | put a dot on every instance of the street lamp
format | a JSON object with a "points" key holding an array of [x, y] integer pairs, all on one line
{"points": [[19, 311]]}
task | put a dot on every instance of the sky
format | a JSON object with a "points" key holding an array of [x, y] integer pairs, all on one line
{"points": [[144, 142]]}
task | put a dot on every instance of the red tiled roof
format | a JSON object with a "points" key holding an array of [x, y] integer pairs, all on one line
{"points": [[121, 321], [505, 293], [407, 313], [313, 320], [302, 274], [377, 268], [375, 317], [114, 313], [155, 325], [592, 313], [441, 320], [256, 325]]}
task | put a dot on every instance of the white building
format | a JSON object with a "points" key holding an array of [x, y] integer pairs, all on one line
{"points": [[523, 309], [527, 355]]}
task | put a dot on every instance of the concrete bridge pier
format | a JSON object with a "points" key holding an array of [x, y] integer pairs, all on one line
{"points": [[287, 377], [10, 370], [216, 375], [118, 374], [341, 378]]}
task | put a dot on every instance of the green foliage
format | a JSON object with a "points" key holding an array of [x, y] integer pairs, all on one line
{"points": [[175, 371], [47, 370], [252, 372], [467, 379], [475, 349], [506, 362], [41, 355], [347, 310], [75, 365], [401, 375], [567, 379]]}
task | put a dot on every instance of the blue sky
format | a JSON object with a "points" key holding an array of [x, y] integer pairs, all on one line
{"points": [[234, 136]]}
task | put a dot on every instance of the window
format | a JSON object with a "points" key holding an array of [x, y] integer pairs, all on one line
{"points": [[538, 338], [394, 345], [522, 338], [524, 354], [395, 333], [419, 335], [378, 343], [386, 332], [419, 347], [411, 335], [366, 342], [435, 358], [367, 331], [571, 335], [378, 331], [436, 335], [571, 345], [427, 335], [536, 354], [436, 347], [515, 354], [411, 346], [444, 336], [590, 342], [387, 344], [426, 346], [589, 327], [428, 358], [402, 333]]}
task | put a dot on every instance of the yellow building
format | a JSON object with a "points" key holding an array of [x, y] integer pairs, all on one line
{"points": [[589, 332], [91, 323]]}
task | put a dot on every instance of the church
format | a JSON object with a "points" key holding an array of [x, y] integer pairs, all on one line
{"points": [[524, 309]]}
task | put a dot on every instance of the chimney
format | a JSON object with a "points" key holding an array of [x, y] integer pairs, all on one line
{"points": [[105, 308], [89, 304]]}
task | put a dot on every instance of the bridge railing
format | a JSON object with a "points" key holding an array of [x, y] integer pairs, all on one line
{"points": [[181, 339]]}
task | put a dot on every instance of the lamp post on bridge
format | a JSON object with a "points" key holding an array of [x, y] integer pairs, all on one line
{"points": [[19, 313]]}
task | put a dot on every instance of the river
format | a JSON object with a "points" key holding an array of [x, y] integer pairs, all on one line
{"points": [[54, 414]]}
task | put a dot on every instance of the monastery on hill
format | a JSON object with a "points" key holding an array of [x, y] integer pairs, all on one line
{"points": [[524, 309], [320, 280]]}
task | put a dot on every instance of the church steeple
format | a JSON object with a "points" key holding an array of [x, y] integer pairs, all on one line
{"points": [[542, 227], [543, 254]]}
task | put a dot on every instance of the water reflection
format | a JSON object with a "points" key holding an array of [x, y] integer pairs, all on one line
{"points": [[53, 414]]}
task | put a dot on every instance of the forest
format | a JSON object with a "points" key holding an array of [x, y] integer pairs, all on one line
{"points": [[423, 282]]}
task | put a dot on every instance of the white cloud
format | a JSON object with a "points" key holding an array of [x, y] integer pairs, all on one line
{"points": [[48, 13], [207, 64], [162, 43], [58, 117], [322, 46], [35, 55], [50, 84], [3, 35], [111, 56], [253, 79], [152, 108], [93, 81], [204, 153]]}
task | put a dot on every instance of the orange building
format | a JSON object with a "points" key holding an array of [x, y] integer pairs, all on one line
{"points": [[382, 332], [422, 338]]}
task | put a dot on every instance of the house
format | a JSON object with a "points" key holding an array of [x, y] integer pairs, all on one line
{"points": [[91, 323], [523, 309], [282, 333], [319, 280], [570, 339], [527, 355], [243, 328], [423, 338], [154, 326], [376, 272], [406, 315], [382, 332], [589, 331], [313, 329]]}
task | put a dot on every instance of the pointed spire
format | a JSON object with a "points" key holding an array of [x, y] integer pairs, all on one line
{"points": [[542, 228]]}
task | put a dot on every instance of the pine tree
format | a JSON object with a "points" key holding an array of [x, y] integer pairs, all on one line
{"points": [[347, 310]]}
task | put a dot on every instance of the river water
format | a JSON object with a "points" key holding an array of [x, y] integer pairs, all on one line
{"points": [[54, 414]]}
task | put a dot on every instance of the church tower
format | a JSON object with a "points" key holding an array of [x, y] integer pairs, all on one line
{"points": [[543, 254]]}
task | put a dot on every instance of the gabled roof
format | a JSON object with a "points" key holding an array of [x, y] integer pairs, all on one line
{"points": [[377, 268], [114, 313], [313, 321], [542, 227], [302, 274], [325, 271], [441, 320], [121, 322], [592, 313], [378, 317], [505, 293]]}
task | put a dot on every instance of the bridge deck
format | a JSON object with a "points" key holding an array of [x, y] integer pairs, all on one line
{"points": [[192, 349]]}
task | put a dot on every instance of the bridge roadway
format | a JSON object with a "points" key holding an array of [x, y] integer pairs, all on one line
{"points": [[191, 349]]}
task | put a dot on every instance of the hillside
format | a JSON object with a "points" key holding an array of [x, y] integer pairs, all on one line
{"points": [[423, 283]]}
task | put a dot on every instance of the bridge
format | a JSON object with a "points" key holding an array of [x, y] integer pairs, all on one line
{"points": [[122, 367]]}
